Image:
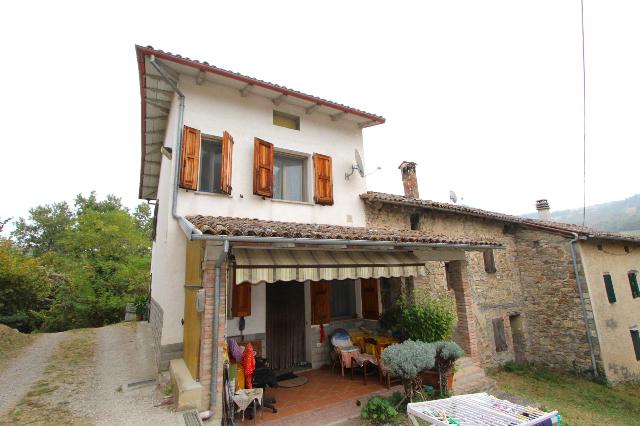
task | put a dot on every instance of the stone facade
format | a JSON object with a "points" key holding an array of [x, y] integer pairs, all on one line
{"points": [[519, 301], [163, 353]]}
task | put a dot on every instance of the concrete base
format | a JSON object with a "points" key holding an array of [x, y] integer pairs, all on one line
{"points": [[187, 392]]}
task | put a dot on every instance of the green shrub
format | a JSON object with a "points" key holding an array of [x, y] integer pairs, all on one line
{"points": [[407, 360], [426, 317], [379, 411], [447, 352]]}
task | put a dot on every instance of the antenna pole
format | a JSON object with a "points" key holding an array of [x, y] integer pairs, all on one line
{"points": [[584, 123]]}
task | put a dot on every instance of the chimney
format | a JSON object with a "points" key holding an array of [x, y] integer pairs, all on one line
{"points": [[543, 209], [409, 179]]}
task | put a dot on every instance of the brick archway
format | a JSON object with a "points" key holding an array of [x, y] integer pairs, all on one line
{"points": [[465, 333]]}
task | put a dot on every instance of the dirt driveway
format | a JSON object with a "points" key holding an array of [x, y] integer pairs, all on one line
{"points": [[81, 377]]}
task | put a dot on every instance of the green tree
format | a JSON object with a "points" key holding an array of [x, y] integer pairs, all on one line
{"points": [[24, 288], [45, 228]]}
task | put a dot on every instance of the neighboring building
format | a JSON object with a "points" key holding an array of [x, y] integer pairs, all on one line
{"points": [[523, 303], [219, 148]]}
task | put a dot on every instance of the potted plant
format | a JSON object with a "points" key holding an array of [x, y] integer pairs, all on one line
{"points": [[407, 360], [141, 304]]}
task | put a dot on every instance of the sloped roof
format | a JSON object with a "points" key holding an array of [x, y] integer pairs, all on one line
{"points": [[217, 225], [470, 211]]}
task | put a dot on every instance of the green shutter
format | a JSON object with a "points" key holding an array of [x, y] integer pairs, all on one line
{"points": [[633, 282], [635, 337], [611, 294]]}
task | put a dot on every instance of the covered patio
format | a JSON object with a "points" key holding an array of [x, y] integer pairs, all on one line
{"points": [[286, 287]]}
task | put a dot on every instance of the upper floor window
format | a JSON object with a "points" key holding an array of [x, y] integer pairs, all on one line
{"points": [[608, 284], [210, 164], [489, 262], [635, 339], [205, 161], [283, 119], [289, 177], [633, 283]]}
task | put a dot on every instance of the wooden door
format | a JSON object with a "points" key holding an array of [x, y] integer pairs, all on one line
{"points": [[285, 324], [191, 331], [369, 294]]}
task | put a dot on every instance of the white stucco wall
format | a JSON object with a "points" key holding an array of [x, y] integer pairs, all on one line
{"points": [[213, 109]]}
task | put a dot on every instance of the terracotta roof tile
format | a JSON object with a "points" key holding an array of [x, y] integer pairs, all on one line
{"points": [[470, 211], [216, 225]]}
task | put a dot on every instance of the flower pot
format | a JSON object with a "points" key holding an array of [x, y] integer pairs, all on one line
{"points": [[431, 377]]}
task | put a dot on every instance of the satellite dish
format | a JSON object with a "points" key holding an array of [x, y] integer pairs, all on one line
{"points": [[359, 163], [359, 166], [453, 197]]}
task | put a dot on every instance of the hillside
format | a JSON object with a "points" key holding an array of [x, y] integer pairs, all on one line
{"points": [[616, 216]]}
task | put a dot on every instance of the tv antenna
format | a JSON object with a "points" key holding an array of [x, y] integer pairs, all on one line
{"points": [[359, 166]]}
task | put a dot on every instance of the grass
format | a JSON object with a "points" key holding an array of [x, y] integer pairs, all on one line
{"points": [[47, 401], [12, 342], [579, 400]]}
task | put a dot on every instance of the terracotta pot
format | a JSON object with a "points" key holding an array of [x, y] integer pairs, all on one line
{"points": [[430, 377]]}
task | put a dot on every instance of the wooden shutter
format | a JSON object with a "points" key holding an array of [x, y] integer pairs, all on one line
{"points": [[635, 338], [190, 158], [369, 293], [498, 334], [154, 225], [240, 299], [320, 308], [489, 262], [608, 283], [225, 169], [263, 168], [322, 180]]}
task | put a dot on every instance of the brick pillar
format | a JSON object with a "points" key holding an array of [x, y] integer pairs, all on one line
{"points": [[466, 335], [207, 345], [409, 179]]}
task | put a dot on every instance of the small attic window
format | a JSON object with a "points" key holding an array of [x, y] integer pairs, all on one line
{"points": [[283, 119]]}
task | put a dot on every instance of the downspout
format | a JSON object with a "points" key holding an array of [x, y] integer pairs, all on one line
{"points": [[583, 303], [186, 226], [216, 307]]}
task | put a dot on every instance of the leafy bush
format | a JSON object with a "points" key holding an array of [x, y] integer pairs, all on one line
{"points": [[447, 352], [426, 317], [379, 411], [407, 360]]}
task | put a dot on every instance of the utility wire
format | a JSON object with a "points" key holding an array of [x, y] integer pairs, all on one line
{"points": [[584, 123]]}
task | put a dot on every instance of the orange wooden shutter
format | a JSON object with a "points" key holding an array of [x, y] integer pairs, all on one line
{"points": [[369, 293], [263, 168], [240, 299], [225, 169], [320, 309], [190, 158], [323, 179]]}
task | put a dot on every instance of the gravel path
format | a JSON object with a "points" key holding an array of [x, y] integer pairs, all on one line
{"points": [[18, 377], [124, 354]]}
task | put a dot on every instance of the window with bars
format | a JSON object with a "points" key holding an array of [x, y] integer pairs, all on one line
{"points": [[608, 284]]}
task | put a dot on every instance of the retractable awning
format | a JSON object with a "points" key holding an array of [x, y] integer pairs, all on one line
{"points": [[256, 265]]}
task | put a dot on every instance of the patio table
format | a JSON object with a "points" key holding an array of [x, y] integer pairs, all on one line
{"points": [[478, 409], [244, 397]]}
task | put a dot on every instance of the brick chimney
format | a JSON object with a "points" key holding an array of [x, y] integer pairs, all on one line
{"points": [[543, 209], [409, 179]]}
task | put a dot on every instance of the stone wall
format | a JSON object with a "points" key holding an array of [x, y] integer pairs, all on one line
{"points": [[534, 287], [493, 295], [555, 330], [162, 353]]}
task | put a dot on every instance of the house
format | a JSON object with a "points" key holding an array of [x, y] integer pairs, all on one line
{"points": [[559, 295], [260, 231]]}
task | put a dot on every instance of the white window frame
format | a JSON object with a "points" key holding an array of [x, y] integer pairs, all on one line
{"points": [[306, 170]]}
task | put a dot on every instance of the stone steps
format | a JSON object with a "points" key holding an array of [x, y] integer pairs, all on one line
{"points": [[470, 378]]}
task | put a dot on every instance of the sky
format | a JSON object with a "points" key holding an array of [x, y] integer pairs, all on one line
{"points": [[486, 96]]}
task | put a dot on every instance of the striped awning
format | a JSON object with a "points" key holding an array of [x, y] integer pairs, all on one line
{"points": [[256, 265]]}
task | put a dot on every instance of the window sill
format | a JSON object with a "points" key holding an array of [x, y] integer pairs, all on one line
{"points": [[215, 194], [303, 203]]}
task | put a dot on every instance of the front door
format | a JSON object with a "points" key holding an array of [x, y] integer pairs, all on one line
{"points": [[285, 324]]}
